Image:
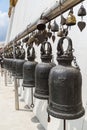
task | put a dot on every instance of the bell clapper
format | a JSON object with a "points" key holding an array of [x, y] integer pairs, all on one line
{"points": [[48, 118], [64, 125], [32, 104], [48, 114], [53, 37], [16, 95]]}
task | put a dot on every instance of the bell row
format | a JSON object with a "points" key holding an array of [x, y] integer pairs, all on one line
{"points": [[60, 84]]}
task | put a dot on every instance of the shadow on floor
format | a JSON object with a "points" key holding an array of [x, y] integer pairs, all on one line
{"points": [[40, 127], [35, 119], [27, 110]]}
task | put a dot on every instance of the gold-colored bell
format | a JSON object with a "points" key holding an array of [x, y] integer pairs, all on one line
{"points": [[71, 19]]}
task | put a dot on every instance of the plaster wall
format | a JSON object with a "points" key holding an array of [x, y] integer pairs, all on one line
{"points": [[26, 12]]}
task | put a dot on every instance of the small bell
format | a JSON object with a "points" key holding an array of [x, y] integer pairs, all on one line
{"points": [[71, 20], [54, 27], [63, 20], [81, 25], [63, 32], [49, 34], [82, 11], [41, 24], [60, 33]]}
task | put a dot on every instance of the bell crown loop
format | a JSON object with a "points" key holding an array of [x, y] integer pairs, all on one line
{"points": [[30, 53], [46, 52], [64, 56]]}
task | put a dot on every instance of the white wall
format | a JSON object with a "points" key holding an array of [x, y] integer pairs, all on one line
{"points": [[26, 12]]}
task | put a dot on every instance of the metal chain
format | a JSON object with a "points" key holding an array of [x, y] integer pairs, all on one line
{"points": [[75, 63], [74, 60]]}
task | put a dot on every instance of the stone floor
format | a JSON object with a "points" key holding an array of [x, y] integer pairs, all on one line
{"points": [[11, 119]]}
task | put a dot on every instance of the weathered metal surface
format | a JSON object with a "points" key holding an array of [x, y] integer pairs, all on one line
{"points": [[65, 83], [42, 72], [29, 68], [20, 55], [29, 74]]}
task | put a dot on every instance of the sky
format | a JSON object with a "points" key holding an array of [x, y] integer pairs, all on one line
{"points": [[4, 5]]}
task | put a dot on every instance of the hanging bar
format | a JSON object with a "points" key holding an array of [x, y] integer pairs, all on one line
{"points": [[50, 14]]}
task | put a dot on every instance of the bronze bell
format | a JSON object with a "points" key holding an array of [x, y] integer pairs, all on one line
{"points": [[29, 68], [1, 62], [41, 24], [54, 27], [71, 20], [8, 60], [63, 20], [14, 67], [8, 64], [29, 71], [20, 55], [5, 63], [82, 11], [19, 68], [65, 81], [14, 62], [42, 72]]}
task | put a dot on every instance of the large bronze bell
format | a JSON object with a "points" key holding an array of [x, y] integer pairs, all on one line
{"points": [[65, 81], [10, 60], [19, 68], [42, 72], [29, 71], [5, 59], [1, 62], [20, 54], [5, 64], [14, 67], [29, 68], [14, 61]]}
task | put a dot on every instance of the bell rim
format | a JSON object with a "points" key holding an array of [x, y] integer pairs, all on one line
{"points": [[28, 86], [66, 116], [41, 27], [13, 75], [18, 77], [40, 96]]}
